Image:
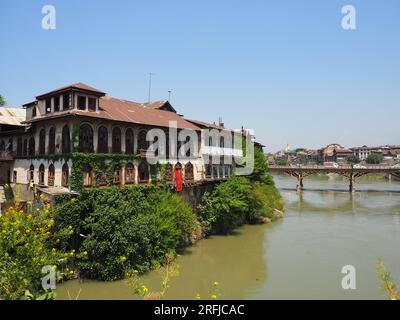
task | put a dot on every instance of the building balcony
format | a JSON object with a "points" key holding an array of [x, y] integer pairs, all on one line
{"points": [[219, 151]]}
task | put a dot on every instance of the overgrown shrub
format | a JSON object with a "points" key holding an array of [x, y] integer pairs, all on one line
{"points": [[129, 228], [237, 201], [265, 198], [27, 244], [226, 207]]}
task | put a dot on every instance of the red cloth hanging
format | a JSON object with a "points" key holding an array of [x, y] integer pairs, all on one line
{"points": [[178, 180]]}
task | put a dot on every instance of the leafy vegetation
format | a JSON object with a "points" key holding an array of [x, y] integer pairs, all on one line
{"points": [[27, 244], [353, 159], [101, 164], [374, 158], [125, 228], [281, 162], [388, 286], [240, 200], [2, 101], [226, 207], [266, 200]]}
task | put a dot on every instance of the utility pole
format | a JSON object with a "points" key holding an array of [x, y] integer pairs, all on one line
{"points": [[150, 75]]}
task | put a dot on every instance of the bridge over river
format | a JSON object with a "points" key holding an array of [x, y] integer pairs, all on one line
{"points": [[350, 172]]}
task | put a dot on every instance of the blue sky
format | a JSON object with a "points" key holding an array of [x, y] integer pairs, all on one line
{"points": [[287, 69]]}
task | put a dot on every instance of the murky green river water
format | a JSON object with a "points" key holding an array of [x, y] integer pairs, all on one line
{"points": [[297, 257]]}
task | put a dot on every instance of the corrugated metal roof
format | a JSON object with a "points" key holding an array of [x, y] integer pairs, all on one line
{"points": [[12, 116], [129, 111], [208, 125]]}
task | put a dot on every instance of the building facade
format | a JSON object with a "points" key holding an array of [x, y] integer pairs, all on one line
{"points": [[37, 147]]}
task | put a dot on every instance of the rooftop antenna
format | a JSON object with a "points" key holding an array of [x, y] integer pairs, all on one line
{"points": [[169, 95], [150, 74]]}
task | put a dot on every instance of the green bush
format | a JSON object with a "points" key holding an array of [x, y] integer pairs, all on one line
{"points": [[374, 158], [265, 198], [226, 207], [237, 201], [132, 227]]}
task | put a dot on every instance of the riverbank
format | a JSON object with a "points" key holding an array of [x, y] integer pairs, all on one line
{"points": [[298, 257], [119, 229]]}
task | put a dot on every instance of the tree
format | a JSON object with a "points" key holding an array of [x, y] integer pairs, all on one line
{"points": [[352, 159], [2, 101], [281, 162], [302, 158], [374, 158], [260, 165]]}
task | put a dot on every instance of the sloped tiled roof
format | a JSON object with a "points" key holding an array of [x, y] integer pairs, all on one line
{"points": [[76, 85], [126, 111]]}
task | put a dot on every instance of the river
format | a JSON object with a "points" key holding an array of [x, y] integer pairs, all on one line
{"points": [[297, 257]]}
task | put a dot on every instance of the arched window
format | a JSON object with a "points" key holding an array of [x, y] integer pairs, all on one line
{"points": [[51, 175], [117, 175], [155, 142], [85, 138], [189, 175], [169, 172], [31, 173], [88, 176], [34, 112], [42, 142], [65, 175], [52, 140], [116, 140], [222, 142], [19, 147], [32, 147], [129, 141], [102, 146], [25, 147], [214, 171], [143, 173], [167, 145], [66, 140], [142, 142], [129, 173], [208, 168], [41, 174], [188, 145]]}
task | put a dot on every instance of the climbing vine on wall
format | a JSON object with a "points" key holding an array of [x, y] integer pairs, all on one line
{"points": [[102, 165]]}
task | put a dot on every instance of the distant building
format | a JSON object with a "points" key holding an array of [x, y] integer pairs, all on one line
{"points": [[363, 152], [334, 153]]}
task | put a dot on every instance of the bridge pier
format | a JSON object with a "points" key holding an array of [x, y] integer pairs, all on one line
{"points": [[299, 185], [351, 184]]}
